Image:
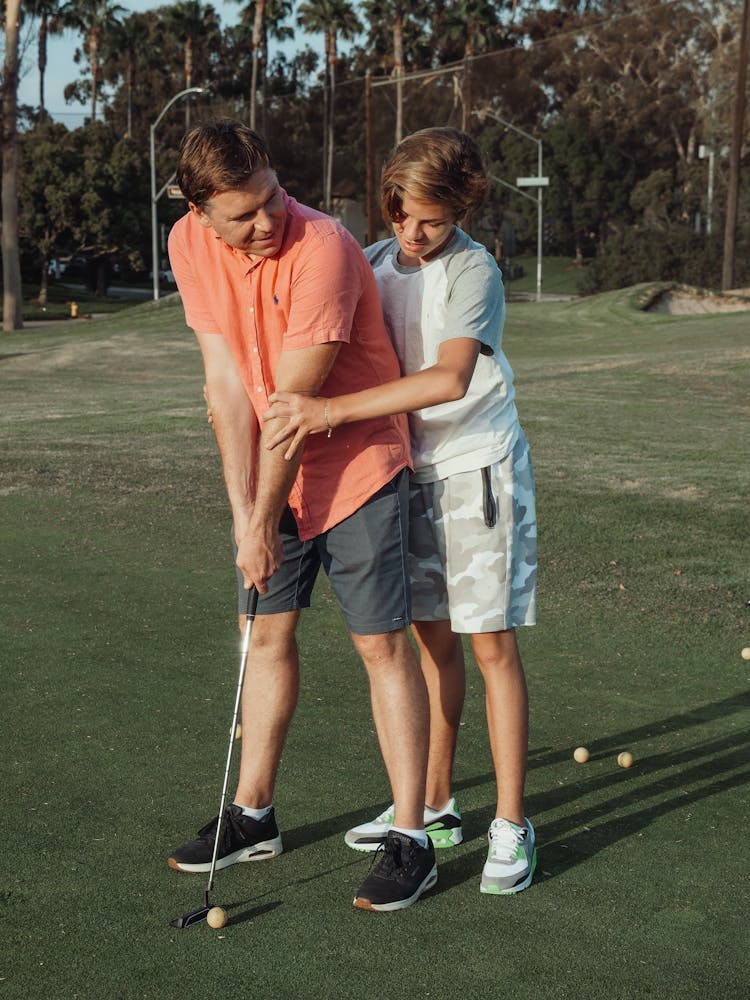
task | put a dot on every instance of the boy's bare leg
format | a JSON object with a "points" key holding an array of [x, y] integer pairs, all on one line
{"points": [[507, 705]]}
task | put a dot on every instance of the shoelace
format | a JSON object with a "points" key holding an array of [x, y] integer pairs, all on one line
{"points": [[228, 827], [388, 856], [504, 841]]}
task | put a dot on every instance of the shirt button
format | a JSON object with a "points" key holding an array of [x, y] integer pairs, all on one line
{"points": [[252, 309], [259, 388], [255, 350]]}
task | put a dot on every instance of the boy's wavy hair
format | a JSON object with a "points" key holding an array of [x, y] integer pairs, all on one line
{"points": [[435, 164], [219, 156]]}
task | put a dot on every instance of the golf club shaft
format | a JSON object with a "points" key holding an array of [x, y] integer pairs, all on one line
{"points": [[252, 603]]}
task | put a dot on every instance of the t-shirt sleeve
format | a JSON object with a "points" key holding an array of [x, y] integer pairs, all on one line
{"points": [[476, 305], [327, 286], [198, 315]]}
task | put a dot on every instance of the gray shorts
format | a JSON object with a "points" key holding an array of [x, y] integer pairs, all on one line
{"points": [[364, 557], [472, 547]]}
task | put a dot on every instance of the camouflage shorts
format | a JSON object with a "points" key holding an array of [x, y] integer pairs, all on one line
{"points": [[472, 546]]}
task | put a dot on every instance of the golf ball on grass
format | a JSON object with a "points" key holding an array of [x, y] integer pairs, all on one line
{"points": [[625, 759], [581, 755], [217, 917], [745, 654]]}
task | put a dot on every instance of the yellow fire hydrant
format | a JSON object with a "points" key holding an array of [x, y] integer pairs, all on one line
{"points": [[74, 310]]}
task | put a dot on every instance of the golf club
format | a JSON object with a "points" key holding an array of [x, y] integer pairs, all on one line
{"points": [[196, 916]]}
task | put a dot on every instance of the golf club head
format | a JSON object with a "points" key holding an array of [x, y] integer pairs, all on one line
{"points": [[188, 919]]}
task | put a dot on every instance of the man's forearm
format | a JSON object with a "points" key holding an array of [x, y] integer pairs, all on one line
{"points": [[236, 429]]}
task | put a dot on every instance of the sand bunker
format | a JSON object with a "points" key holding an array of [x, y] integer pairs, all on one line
{"points": [[683, 301]]}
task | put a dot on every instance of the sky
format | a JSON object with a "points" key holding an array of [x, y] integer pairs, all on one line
{"points": [[61, 69]]}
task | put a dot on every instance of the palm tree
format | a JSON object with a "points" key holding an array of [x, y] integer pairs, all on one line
{"points": [[398, 14], [12, 296], [334, 18], [191, 21], [264, 15], [476, 23], [127, 44], [51, 22], [94, 19]]}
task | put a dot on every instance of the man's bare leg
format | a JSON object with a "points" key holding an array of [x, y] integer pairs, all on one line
{"points": [[401, 714], [269, 699]]}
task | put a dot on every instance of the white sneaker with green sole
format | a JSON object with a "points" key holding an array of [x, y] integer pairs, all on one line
{"points": [[443, 830], [511, 858]]}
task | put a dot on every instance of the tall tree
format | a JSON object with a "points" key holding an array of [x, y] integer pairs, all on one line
{"points": [[193, 22], [334, 19], [50, 194], [94, 19], [51, 22], [265, 17], [12, 294], [400, 16], [126, 46]]}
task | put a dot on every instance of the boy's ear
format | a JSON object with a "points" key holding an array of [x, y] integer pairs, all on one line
{"points": [[201, 215]]}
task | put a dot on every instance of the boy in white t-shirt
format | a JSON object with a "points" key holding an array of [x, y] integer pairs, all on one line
{"points": [[472, 515]]}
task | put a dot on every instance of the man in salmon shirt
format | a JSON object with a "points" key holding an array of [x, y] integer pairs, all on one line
{"points": [[281, 297]]}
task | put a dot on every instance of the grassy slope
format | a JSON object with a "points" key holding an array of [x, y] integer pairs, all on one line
{"points": [[117, 611]]}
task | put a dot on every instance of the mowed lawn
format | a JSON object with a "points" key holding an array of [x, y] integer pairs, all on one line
{"points": [[119, 657]]}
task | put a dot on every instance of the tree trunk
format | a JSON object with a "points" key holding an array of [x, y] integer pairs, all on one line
{"points": [[730, 226], [398, 72], [260, 6], [129, 133], [43, 281], [42, 60], [331, 104], [94, 64], [12, 293], [188, 77]]}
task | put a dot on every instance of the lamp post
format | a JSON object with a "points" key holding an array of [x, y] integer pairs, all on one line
{"points": [[538, 182], [154, 195]]}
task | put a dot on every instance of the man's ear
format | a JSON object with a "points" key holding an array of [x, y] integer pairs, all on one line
{"points": [[201, 215]]}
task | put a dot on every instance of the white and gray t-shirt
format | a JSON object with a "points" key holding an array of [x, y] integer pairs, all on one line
{"points": [[459, 293]]}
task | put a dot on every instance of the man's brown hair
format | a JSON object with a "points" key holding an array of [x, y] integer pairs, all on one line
{"points": [[435, 164], [220, 156]]}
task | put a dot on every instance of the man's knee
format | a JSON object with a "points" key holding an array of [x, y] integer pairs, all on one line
{"points": [[273, 633], [386, 647]]}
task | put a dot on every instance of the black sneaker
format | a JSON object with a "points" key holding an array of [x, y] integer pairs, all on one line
{"points": [[242, 839], [401, 871]]}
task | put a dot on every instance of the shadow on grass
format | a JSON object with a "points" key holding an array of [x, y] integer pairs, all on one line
{"points": [[250, 914], [665, 777], [334, 826]]}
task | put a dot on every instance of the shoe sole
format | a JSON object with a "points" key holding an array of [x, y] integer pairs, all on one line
{"points": [[495, 890], [440, 839], [263, 851], [399, 904]]}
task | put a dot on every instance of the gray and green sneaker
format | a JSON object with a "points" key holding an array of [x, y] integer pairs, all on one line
{"points": [[443, 830], [511, 858]]}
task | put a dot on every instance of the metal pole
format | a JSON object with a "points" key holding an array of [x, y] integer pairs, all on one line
{"points": [[491, 114], [154, 197], [154, 237], [539, 227], [710, 193]]}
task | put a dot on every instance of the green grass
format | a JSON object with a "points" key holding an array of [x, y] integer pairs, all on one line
{"points": [[59, 299], [119, 661], [559, 276]]}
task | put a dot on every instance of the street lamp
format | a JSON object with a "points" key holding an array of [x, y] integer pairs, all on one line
{"points": [[521, 182], [156, 196]]}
